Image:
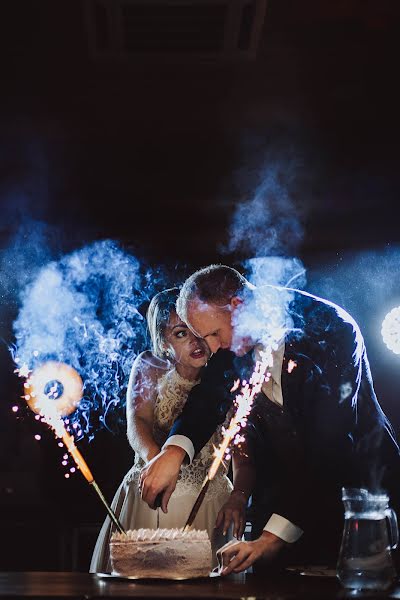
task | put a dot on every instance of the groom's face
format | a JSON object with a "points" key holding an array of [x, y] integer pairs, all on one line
{"points": [[212, 323]]}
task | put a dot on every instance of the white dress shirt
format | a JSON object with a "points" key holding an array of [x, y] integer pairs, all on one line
{"points": [[272, 388]]}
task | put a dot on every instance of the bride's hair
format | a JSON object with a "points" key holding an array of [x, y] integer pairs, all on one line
{"points": [[158, 315]]}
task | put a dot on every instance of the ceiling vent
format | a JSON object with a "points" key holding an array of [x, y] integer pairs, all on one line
{"points": [[167, 29]]}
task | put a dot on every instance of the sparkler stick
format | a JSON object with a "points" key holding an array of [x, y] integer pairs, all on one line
{"points": [[39, 400], [243, 401], [197, 504], [79, 460]]}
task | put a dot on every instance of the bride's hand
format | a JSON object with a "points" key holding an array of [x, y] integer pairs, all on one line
{"points": [[234, 510]]}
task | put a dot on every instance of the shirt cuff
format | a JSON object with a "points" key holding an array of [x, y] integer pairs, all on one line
{"points": [[183, 442], [283, 529]]}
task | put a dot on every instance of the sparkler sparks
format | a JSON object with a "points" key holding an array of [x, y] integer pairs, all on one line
{"points": [[243, 403], [53, 383]]}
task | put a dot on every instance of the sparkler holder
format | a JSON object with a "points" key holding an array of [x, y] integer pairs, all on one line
{"points": [[219, 454], [197, 504], [109, 509], [80, 461]]}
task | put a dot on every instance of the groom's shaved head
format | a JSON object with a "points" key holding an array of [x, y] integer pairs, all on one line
{"points": [[215, 284]]}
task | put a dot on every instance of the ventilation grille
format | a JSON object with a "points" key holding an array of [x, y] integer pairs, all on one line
{"points": [[219, 29]]}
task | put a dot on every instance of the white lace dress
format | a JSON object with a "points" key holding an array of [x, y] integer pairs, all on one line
{"points": [[133, 513]]}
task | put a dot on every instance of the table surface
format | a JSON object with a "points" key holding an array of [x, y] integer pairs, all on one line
{"points": [[68, 585]]}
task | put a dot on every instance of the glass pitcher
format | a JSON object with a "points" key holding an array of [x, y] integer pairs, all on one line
{"points": [[370, 533]]}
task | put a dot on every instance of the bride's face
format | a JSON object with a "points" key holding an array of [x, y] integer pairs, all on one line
{"points": [[183, 346]]}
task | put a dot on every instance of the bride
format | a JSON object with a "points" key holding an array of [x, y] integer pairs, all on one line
{"points": [[159, 383]]}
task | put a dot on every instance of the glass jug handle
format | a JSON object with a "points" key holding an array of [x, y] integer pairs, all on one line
{"points": [[394, 530]]}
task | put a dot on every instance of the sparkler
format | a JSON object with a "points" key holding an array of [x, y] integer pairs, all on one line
{"points": [[243, 402], [391, 330], [44, 393]]}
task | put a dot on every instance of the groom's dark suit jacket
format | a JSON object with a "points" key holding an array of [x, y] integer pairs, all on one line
{"points": [[331, 431]]}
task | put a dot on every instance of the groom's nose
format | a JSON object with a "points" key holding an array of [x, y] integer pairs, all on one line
{"points": [[214, 344]]}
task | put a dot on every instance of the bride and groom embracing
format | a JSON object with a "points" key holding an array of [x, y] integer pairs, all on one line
{"points": [[315, 427]]}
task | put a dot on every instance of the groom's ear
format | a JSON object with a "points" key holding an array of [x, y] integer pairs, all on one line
{"points": [[235, 301]]}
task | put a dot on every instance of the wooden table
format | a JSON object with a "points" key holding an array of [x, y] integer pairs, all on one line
{"points": [[84, 586]]}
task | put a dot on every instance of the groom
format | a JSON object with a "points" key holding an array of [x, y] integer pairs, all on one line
{"points": [[315, 427]]}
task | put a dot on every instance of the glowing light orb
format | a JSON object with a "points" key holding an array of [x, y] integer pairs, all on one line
{"points": [[391, 330], [54, 381]]}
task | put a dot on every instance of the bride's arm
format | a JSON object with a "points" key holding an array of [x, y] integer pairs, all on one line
{"points": [[141, 395], [244, 472], [244, 476]]}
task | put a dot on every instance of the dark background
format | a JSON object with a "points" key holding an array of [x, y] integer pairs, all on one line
{"points": [[157, 151]]}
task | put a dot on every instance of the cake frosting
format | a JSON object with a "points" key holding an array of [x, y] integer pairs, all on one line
{"points": [[161, 553]]}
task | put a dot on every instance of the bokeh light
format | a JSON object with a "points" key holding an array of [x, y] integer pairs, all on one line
{"points": [[391, 330]]}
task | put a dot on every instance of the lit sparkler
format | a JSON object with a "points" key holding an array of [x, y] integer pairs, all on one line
{"points": [[53, 390], [53, 384], [243, 402], [391, 330]]}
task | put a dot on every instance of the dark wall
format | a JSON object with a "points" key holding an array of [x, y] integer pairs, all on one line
{"points": [[134, 149]]}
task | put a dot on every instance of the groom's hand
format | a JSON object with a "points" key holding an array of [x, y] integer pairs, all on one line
{"points": [[239, 556], [160, 475]]}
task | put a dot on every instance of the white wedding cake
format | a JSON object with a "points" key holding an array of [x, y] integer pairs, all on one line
{"points": [[161, 553]]}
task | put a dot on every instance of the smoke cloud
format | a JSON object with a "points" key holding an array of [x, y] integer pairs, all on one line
{"points": [[266, 226], [266, 220], [365, 283], [266, 232], [86, 310]]}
